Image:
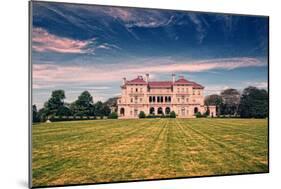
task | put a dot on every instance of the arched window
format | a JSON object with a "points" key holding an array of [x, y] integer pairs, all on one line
{"points": [[122, 112], [159, 111], [151, 110], [167, 110], [195, 110]]}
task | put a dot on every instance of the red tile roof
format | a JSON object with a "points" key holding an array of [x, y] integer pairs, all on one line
{"points": [[139, 80], [163, 84], [183, 81], [160, 84]]}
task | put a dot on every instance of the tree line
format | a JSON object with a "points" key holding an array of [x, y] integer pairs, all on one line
{"points": [[251, 103], [83, 106]]}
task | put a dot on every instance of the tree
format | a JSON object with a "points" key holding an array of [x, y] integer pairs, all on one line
{"points": [[214, 100], [35, 115], [63, 111], [230, 102], [54, 103], [99, 108], [254, 103], [173, 114], [113, 115], [207, 113], [141, 114], [84, 105]]}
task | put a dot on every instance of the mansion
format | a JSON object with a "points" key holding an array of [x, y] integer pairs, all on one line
{"points": [[184, 97]]}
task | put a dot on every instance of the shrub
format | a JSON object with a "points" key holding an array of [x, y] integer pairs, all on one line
{"points": [[113, 115], [150, 116], [173, 114], [141, 114], [198, 114]]}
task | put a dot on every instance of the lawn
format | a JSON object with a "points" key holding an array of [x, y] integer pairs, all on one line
{"points": [[121, 150]]}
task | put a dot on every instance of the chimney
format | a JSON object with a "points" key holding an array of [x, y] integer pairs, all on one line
{"points": [[147, 77], [124, 80], [174, 77]]}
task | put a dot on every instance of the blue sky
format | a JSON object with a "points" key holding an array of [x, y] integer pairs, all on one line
{"points": [[80, 47]]}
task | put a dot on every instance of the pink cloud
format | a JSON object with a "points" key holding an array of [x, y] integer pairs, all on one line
{"points": [[46, 42], [50, 74]]}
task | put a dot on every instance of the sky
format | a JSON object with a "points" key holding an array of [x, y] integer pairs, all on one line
{"points": [[89, 47]]}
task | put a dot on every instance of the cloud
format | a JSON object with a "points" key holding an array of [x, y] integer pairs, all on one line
{"points": [[199, 26], [52, 74], [42, 41], [215, 89], [261, 84], [138, 18]]}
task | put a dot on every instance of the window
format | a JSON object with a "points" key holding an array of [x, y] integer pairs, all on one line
{"points": [[182, 90], [140, 89], [178, 99], [119, 101], [153, 99], [132, 89], [136, 99], [150, 98], [198, 93], [131, 112], [183, 112], [193, 92], [132, 100], [136, 89], [140, 99], [186, 99], [136, 112], [178, 90]]}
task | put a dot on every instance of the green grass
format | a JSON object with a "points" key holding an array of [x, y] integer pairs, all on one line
{"points": [[122, 150]]}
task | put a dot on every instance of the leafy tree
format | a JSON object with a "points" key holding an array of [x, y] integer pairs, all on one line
{"points": [[99, 108], [113, 115], [54, 103], [141, 114], [63, 111], [207, 113], [214, 100], [42, 114], [254, 103], [84, 105], [230, 102], [173, 114], [35, 115]]}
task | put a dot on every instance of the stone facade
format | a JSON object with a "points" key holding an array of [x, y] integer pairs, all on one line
{"points": [[183, 97]]}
